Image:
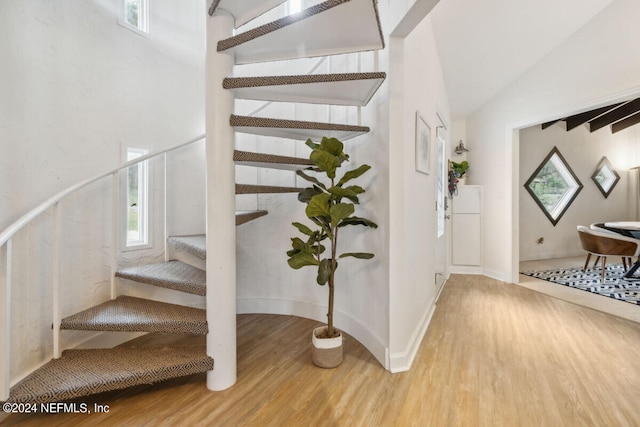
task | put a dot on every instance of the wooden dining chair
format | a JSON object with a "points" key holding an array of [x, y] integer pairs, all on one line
{"points": [[604, 244], [600, 226]]}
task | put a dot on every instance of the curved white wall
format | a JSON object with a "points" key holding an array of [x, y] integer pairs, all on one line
{"points": [[77, 88]]}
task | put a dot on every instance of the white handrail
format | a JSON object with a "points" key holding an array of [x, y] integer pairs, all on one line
{"points": [[35, 212]]}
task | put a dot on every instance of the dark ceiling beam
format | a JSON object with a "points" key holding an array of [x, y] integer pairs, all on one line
{"points": [[546, 125], [579, 119], [625, 123], [615, 115]]}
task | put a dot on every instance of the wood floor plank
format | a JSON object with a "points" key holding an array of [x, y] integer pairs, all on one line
{"points": [[494, 355]]}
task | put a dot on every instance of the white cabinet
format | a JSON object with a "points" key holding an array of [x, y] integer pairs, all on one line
{"points": [[466, 235]]}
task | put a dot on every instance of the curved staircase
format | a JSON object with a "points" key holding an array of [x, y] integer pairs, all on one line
{"points": [[354, 27]]}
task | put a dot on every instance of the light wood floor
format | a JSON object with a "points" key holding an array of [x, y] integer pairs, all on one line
{"points": [[494, 355]]}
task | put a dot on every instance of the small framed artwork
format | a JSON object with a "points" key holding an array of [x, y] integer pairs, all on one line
{"points": [[423, 145]]}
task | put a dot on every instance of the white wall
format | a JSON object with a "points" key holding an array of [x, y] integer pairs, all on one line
{"points": [[77, 88], [583, 151], [592, 68], [417, 85]]}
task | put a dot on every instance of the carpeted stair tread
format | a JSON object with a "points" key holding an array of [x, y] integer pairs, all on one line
{"points": [[334, 89], [195, 245], [246, 216], [130, 314], [354, 27], [272, 161], [294, 129], [85, 372], [175, 275], [264, 189], [245, 10]]}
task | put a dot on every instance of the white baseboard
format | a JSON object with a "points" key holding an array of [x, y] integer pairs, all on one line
{"points": [[465, 269], [400, 362], [317, 312]]}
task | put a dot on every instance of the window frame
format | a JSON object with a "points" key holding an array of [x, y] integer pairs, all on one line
{"points": [[144, 28], [567, 198], [143, 202]]}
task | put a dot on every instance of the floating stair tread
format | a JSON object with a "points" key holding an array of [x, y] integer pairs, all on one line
{"points": [[130, 314], [329, 28], [334, 89], [174, 275], [295, 129], [264, 189], [195, 245], [85, 372], [260, 160], [246, 216], [244, 10]]}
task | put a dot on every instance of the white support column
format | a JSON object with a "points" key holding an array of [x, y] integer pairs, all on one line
{"points": [[5, 328], [221, 226], [57, 220]]}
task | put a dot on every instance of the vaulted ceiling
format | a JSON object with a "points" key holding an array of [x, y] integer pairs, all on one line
{"points": [[618, 116], [484, 46]]}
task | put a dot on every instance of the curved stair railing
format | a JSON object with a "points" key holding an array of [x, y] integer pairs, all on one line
{"points": [[6, 254]]}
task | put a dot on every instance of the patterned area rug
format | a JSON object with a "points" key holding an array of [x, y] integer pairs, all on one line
{"points": [[614, 285]]}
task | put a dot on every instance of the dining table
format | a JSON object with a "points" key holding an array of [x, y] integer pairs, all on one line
{"points": [[630, 229]]}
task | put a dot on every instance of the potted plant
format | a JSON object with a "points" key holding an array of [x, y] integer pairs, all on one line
{"points": [[330, 206], [460, 168]]}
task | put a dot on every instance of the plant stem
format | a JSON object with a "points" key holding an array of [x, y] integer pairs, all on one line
{"points": [[334, 243]]}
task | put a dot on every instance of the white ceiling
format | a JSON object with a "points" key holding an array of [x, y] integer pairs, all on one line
{"points": [[486, 45]]}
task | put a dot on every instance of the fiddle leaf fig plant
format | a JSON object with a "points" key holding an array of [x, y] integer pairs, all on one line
{"points": [[330, 207]]}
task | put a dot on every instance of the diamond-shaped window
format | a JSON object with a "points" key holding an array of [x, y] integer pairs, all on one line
{"points": [[553, 186], [605, 177]]}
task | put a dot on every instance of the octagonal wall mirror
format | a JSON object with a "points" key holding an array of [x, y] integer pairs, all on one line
{"points": [[605, 177], [553, 186]]}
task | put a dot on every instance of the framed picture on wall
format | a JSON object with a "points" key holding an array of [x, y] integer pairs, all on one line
{"points": [[423, 145]]}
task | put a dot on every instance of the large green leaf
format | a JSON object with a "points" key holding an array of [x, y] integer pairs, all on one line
{"points": [[302, 259], [310, 178], [319, 206], [324, 271], [354, 220], [339, 192], [303, 229], [355, 173], [355, 188], [332, 146], [326, 162], [297, 243], [309, 143], [307, 194], [359, 255], [339, 212], [318, 249]]}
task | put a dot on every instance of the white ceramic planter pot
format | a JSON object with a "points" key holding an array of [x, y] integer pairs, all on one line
{"points": [[326, 352]]}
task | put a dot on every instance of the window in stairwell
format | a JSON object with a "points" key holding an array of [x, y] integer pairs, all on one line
{"points": [[295, 6], [137, 194], [135, 15]]}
